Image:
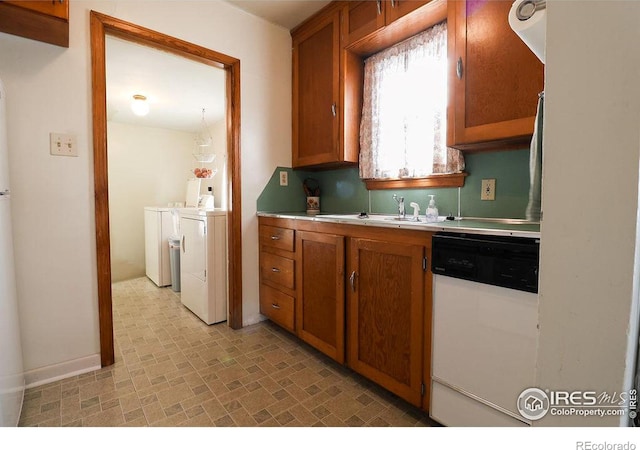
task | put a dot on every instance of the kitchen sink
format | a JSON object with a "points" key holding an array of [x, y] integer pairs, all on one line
{"points": [[342, 216], [405, 219], [377, 218]]}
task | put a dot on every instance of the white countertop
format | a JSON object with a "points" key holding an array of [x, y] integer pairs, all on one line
{"points": [[496, 227]]}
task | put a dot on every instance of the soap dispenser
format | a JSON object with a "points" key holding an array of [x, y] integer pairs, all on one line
{"points": [[432, 210]]}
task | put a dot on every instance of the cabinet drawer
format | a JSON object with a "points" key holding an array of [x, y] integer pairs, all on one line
{"points": [[277, 306], [277, 270], [280, 238]]}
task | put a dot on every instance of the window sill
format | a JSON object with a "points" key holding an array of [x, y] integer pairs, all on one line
{"points": [[433, 181]]}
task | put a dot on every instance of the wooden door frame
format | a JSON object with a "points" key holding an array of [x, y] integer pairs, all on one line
{"points": [[102, 25]]}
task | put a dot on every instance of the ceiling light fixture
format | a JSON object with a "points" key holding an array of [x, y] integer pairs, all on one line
{"points": [[139, 105]]}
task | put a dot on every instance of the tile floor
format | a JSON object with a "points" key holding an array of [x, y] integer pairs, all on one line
{"points": [[173, 370]]}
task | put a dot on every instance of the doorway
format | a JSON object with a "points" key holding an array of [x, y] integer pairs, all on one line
{"points": [[101, 26]]}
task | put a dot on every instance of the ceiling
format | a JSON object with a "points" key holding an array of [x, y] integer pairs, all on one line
{"points": [[286, 13], [177, 88]]}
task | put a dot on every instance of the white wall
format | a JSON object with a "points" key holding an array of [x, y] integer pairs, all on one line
{"points": [[147, 167], [49, 89], [218, 182], [590, 197]]}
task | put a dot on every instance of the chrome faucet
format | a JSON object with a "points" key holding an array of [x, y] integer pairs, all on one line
{"points": [[400, 202]]}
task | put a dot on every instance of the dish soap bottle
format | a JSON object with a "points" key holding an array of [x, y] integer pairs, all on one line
{"points": [[432, 211]]}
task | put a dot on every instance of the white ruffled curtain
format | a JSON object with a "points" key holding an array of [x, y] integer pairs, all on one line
{"points": [[403, 129]]}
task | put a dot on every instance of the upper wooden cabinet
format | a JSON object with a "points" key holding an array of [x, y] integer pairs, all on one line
{"points": [[494, 79], [46, 21], [365, 17], [55, 8], [316, 93]]}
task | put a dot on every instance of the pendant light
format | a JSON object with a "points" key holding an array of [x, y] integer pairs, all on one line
{"points": [[203, 152], [203, 138], [139, 105]]}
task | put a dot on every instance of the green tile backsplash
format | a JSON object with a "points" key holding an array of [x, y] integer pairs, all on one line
{"points": [[342, 191]]}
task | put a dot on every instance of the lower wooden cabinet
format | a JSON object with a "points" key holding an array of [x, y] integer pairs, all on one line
{"points": [[277, 306], [360, 295], [277, 275], [386, 297], [320, 295]]}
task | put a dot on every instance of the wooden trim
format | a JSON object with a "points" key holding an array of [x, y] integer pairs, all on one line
{"points": [[101, 183], [432, 181], [427, 321], [234, 176], [100, 26]]}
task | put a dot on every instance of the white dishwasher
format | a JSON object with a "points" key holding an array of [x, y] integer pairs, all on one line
{"points": [[203, 263], [485, 328]]}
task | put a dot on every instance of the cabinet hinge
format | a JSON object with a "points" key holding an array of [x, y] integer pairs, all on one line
{"points": [[422, 389], [425, 263]]}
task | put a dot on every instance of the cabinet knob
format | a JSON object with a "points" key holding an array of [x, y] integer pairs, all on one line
{"points": [[393, 3], [274, 306], [333, 110], [379, 4], [275, 270], [459, 68], [275, 238]]}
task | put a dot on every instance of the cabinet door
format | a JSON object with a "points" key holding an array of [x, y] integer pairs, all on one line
{"points": [[386, 305], [320, 296], [494, 78], [362, 19], [400, 8], [316, 77], [193, 265], [55, 8]]}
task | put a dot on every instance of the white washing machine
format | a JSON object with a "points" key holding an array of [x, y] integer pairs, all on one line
{"points": [[203, 263]]}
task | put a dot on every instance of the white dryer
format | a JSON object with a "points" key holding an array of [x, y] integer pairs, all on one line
{"points": [[203, 263]]}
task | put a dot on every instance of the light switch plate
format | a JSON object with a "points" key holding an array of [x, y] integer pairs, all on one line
{"points": [[488, 191], [63, 144]]}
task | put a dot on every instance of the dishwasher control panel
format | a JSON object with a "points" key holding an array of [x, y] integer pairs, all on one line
{"points": [[510, 262]]}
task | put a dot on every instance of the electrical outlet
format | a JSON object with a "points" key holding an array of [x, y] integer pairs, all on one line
{"points": [[63, 144], [284, 178], [488, 191]]}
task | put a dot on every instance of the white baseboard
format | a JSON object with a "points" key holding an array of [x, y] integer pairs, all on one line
{"points": [[66, 369]]}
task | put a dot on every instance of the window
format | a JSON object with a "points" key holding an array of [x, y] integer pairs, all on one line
{"points": [[403, 127]]}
